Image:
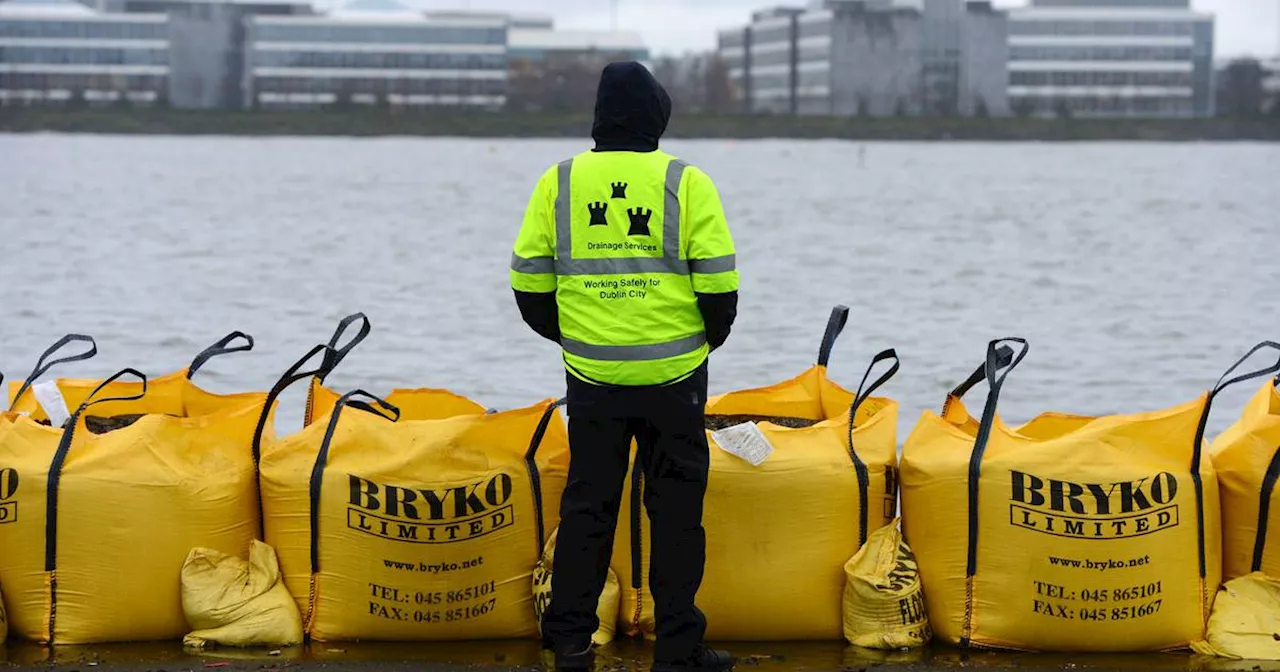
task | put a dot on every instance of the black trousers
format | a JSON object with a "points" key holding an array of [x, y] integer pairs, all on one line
{"points": [[673, 455]]}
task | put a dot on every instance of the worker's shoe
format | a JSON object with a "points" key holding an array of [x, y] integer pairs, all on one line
{"points": [[704, 658], [574, 660]]}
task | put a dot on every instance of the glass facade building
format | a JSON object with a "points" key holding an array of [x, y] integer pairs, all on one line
{"points": [[1111, 58], [872, 57], [397, 58], [57, 51], [277, 53]]}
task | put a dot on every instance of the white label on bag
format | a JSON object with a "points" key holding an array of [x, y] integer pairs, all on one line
{"points": [[744, 441], [51, 402]]}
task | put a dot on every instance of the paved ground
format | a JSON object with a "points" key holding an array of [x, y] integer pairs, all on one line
{"points": [[622, 657]]}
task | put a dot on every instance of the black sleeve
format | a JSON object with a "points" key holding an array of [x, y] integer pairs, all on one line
{"points": [[541, 313], [718, 313]]}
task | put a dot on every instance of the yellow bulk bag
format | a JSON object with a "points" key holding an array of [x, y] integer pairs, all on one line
{"points": [[1246, 620], [414, 530], [100, 523], [1071, 534], [779, 534], [606, 608], [414, 404], [883, 599], [230, 601], [1247, 459]]}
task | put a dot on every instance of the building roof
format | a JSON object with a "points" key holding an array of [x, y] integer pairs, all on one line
{"points": [[574, 40], [58, 8], [375, 10]]}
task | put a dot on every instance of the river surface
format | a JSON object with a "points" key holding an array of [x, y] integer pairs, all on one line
{"points": [[1138, 272], [620, 656]]}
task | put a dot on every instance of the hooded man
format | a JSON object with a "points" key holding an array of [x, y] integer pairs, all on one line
{"points": [[625, 260]]}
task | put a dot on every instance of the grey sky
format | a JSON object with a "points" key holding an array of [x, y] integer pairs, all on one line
{"points": [[1244, 26]]}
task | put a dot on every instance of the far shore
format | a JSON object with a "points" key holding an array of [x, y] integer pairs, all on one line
{"points": [[367, 123]]}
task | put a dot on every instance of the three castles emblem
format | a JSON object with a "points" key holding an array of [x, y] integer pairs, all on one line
{"points": [[639, 217]]}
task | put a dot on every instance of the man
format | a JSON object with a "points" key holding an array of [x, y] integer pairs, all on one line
{"points": [[626, 261]]}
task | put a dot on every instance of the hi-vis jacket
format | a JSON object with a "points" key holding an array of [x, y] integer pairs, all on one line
{"points": [[626, 240]]}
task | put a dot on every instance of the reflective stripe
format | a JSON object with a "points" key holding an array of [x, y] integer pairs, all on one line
{"points": [[621, 266], [633, 353], [671, 210], [669, 262], [535, 266], [714, 264], [564, 212]]}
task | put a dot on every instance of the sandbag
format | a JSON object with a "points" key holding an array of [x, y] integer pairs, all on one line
{"points": [[1246, 620], [883, 599], [1069, 533], [229, 601], [779, 534], [414, 404], [1247, 459], [395, 529], [606, 607], [127, 507]]}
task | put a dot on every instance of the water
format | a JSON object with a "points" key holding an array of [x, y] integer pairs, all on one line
{"points": [[1138, 272], [621, 656]]}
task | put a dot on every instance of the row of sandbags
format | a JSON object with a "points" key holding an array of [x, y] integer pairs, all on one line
{"points": [[420, 515], [125, 498]]}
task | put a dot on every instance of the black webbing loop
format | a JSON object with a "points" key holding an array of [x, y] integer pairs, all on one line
{"points": [[860, 467], [55, 478], [1004, 356], [1197, 449], [996, 370], [43, 366], [531, 463], [291, 376], [60, 457], [835, 325], [383, 410], [334, 356], [220, 348]]}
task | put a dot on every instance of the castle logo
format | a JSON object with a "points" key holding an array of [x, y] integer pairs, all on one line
{"points": [[598, 211], [639, 221]]}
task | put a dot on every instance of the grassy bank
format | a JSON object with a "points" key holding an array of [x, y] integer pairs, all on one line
{"points": [[496, 125]]}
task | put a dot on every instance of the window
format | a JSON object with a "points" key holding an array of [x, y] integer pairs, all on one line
{"points": [[1019, 53], [1106, 28], [408, 34], [771, 58], [762, 82], [816, 29], [375, 60], [780, 34]]}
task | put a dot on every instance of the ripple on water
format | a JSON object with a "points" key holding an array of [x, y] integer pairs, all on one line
{"points": [[158, 245]]}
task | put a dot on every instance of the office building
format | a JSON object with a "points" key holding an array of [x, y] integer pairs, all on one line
{"points": [[870, 57], [62, 51], [557, 70], [540, 43], [394, 56], [1111, 58], [280, 53]]}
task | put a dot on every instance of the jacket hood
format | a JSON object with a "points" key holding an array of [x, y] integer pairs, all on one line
{"points": [[632, 109]]}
